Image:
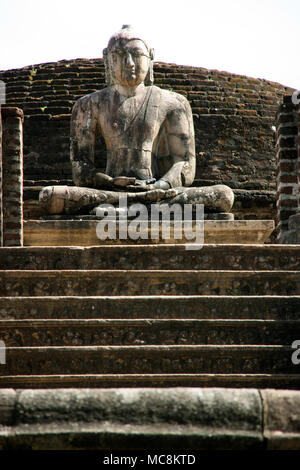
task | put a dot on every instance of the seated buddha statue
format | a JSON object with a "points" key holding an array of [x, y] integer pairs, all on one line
{"points": [[149, 138]]}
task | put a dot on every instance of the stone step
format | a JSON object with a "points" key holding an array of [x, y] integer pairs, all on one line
{"points": [[151, 282], [272, 257], [146, 332], [282, 381], [216, 359], [155, 307]]}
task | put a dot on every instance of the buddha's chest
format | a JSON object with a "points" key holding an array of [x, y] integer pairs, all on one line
{"points": [[130, 122]]}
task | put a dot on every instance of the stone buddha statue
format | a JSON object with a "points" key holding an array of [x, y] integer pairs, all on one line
{"points": [[149, 137]]}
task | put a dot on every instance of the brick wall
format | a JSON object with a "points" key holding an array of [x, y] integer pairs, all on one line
{"points": [[299, 155], [1, 209], [287, 162], [12, 177], [233, 118]]}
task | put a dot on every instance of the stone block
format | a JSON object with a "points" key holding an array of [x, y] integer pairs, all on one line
{"points": [[83, 233], [117, 419], [7, 407], [281, 419], [294, 222]]}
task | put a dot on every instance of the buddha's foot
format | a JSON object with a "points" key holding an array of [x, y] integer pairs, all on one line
{"points": [[217, 198], [75, 199]]}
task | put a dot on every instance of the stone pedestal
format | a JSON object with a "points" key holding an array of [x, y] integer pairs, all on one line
{"points": [[84, 233]]}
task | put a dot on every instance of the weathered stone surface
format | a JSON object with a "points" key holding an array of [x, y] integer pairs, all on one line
{"points": [[136, 419], [151, 282], [125, 419], [294, 222], [181, 307], [148, 133], [197, 307], [233, 257], [281, 419], [155, 359], [12, 177], [92, 332], [242, 155], [287, 152], [83, 233], [7, 407], [161, 352], [31, 381], [292, 235]]}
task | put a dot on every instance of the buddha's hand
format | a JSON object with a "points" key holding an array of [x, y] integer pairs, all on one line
{"points": [[149, 185], [123, 181], [103, 180], [142, 185], [160, 184]]}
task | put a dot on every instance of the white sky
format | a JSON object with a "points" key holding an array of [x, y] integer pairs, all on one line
{"points": [[258, 38]]}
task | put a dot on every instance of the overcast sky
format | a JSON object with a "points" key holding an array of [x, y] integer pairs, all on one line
{"points": [[258, 38]]}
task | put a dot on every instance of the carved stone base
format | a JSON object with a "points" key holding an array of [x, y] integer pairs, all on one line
{"points": [[83, 233]]}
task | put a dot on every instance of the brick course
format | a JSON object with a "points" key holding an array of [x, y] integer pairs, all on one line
{"points": [[12, 177], [287, 162], [233, 118]]}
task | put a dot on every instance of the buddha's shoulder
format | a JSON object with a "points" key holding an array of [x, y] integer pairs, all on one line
{"points": [[94, 98], [172, 99]]}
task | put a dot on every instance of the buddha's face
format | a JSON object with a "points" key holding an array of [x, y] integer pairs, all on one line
{"points": [[130, 62]]}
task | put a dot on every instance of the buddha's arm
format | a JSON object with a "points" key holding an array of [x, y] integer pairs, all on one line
{"points": [[181, 143], [83, 136]]}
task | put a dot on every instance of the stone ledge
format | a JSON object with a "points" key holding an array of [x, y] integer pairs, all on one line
{"points": [[83, 233], [116, 419], [12, 112], [133, 419]]}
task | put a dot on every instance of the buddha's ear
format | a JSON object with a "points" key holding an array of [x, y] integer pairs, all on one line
{"points": [[151, 53], [108, 74], [149, 78]]}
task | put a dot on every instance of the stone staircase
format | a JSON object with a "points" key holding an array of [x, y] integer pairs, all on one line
{"points": [[150, 316]]}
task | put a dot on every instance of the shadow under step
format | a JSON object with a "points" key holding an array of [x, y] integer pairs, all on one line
{"points": [[218, 359], [284, 381]]}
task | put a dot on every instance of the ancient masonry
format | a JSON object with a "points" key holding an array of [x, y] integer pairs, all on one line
{"points": [[234, 118], [11, 168], [150, 346], [287, 159]]}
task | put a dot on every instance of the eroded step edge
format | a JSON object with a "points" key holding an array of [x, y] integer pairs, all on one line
{"points": [[149, 359], [291, 381]]}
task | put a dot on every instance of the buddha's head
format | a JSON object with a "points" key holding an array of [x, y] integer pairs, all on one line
{"points": [[128, 59]]}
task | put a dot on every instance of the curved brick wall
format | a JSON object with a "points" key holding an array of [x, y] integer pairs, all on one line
{"points": [[233, 117]]}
